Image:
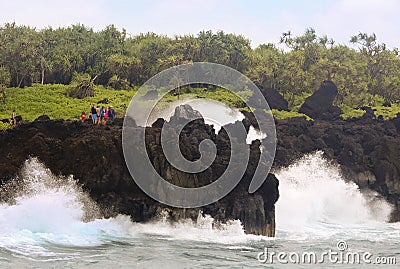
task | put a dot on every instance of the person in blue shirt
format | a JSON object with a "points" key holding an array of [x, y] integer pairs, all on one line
{"points": [[102, 115], [111, 113]]}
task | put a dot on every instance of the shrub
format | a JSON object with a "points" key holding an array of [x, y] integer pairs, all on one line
{"points": [[282, 114], [298, 101], [118, 83], [349, 112], [387, 112], [4, 126], [4, 76], [363, 99]]}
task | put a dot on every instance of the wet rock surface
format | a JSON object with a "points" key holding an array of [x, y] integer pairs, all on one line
{"points": [[93, 154], [367, 151]]}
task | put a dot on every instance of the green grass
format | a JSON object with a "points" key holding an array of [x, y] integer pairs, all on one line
{"points": [[219, 94], [349, 112], [386, 112], [281, 114], [52, 100], [4, 126]]}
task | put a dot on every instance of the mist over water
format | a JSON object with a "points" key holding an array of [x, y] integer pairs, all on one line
{"points": [[48, 221]]}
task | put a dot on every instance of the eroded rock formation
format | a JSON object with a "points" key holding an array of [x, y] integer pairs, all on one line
{"points": [[320, 104], [367, 150], [273, 97], [93, 154]]}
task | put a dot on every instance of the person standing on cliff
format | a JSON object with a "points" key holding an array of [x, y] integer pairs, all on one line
{"points": [[13, 119], [102, 115], [94, 114], [106, 116], [111, 113], [98, 115]]}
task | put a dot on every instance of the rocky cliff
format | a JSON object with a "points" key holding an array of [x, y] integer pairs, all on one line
{"points": [[368, 151], [93, 154]]}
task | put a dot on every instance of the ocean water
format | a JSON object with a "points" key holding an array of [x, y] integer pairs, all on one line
{"points": [[49, 222]]}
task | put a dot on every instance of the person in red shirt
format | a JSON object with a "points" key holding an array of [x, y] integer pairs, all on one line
{"points": [[83, 116], [106, 116]]}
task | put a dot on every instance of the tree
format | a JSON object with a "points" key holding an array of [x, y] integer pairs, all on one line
{"points": [[4, 82], [387, 81], [118, 64], [309, 43], [114, 58], [83, 86], [118, 83], [383, 66], [4, 76], [148, 49], [265, 66], [18, 53], [293, 77], [3, 93]]}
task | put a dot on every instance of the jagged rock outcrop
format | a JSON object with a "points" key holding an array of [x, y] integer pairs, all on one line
{"points": [[320, 104], [368, 152], [93, 154], [274, 99]]}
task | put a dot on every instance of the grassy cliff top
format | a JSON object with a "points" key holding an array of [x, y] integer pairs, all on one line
{"points": [[54, 101]]}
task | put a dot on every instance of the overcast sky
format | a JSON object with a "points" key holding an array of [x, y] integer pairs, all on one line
{"points": [[260, 21]]}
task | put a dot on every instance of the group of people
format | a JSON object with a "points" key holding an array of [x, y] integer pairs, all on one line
{"points": [[99, 115]]}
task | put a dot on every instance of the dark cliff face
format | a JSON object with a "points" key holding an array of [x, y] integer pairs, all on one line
{"points": [[93, 154], [368, 151]]}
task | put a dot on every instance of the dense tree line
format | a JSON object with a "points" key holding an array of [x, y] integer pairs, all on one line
{"points": [[113, 57]]}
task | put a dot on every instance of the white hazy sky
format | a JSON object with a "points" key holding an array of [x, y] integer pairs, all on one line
{"points": [[260, 21]]}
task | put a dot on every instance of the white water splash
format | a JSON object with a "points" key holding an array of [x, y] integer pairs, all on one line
{"points": [[47, 223], [214, 113], [47, 210], [315, 198]]}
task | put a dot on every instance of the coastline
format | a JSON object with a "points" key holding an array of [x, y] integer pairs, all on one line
{"points": [[367, 151]]}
